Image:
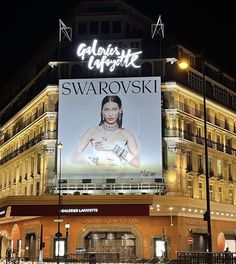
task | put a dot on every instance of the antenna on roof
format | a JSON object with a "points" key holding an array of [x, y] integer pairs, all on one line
{"points": [[64, 31], [158, 28]]}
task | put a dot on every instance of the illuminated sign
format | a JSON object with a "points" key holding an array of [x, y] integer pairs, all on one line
{"points": [[79, 210], [85, 210], [110, 56], [110, 128]]}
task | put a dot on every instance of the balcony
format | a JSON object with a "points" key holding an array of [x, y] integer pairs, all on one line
{"points": [[158, 188], [28, 145], [176, 132]]}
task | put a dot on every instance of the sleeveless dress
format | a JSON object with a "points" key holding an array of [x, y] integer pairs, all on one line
{"points": [[107, 152]]}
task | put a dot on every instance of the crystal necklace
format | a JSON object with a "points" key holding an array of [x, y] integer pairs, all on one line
{"points": [[110, 127], [109, 130]]}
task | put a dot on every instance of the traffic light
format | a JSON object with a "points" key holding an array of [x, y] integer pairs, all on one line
{"points": [[206, 216]]}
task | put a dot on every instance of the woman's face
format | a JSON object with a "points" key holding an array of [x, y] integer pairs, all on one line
{"points": [[110, 112]]}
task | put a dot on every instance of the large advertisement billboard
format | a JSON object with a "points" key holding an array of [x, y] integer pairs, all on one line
{"points": [[110, 128]]}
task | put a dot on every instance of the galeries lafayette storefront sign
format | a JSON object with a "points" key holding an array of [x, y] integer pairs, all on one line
{"points": [[102, 210], [108, 57]]}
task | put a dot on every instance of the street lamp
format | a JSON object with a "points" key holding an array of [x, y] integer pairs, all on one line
{"points": [[67, 227], [59, 146], [59, 234], [207, 214], [183, 65]]}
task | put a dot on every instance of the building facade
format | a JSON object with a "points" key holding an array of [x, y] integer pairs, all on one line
{"points": [[118, 219]]}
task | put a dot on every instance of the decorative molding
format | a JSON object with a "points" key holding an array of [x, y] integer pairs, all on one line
{"points": [[49, 150], [171, 149], [51, 117]]}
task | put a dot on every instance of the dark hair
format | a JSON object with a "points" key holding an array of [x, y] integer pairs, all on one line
{"points": [[115, 99]]}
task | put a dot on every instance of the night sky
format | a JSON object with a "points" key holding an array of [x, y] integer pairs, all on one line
{"points": [[26, 25]]}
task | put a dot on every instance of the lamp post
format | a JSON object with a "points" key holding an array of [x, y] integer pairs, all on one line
{"points": [[207, 214], [59, 234], [67, 227], [183, 65]]}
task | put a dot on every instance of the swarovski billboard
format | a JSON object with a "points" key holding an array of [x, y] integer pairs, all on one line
{"points": [[110, 128]]}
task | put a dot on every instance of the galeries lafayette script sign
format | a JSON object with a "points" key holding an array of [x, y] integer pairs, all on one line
{"points": [[109, 57]]}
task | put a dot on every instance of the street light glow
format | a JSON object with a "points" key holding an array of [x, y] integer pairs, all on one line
{"points": [[67, 225], [183, 65], [60, 145]]}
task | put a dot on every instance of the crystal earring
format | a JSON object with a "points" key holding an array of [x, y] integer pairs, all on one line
{"points": [[119, 117]]}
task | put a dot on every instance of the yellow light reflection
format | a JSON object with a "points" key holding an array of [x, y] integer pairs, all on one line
{"points": [[183, 65]]}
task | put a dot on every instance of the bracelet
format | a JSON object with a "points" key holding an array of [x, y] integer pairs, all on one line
{"points": [[118, 150], [124, 154], [94, 160]]}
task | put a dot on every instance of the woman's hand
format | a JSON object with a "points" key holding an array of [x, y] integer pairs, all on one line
{"points": [[104, 161], [102, 146]]}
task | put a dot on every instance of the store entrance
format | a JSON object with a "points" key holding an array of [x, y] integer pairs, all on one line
{"points": [[199, 242], [30, 246], [111, 246]]}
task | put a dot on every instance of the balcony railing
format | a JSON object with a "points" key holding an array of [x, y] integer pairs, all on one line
{"points": [[177, 132], [197, 113], [158, 188], [27, 145], [206, 258]]}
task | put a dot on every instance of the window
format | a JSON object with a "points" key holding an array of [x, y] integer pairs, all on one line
{"points": [[209, 141], [188, 132], [209, 135], [200, 190], [127, 28], [221, 95], [32, 166], [82, 28], [122, 242], [230, 242], [59, 246], [219, 169], [116, 27], [160, 247], [230, 173], [189, 160], [229, 142], [195, 82], [229, 145], [199, 162], [190, 188], [199, 131], [105, 27], [94, 27], [211, 193], [38, 163], [37, 188], [188, 128], [220, 194], [210, 168], [231, 195]]}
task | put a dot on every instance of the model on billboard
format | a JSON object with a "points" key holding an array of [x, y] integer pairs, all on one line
{"points": [[113, 145]]}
